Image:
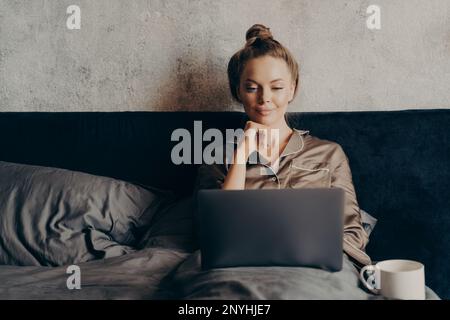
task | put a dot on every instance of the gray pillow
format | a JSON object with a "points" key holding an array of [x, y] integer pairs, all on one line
{"points": [[172, 227], [51, 216]]}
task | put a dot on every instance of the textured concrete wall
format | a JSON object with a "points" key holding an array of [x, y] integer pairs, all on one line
{"points": [[172, 54]]}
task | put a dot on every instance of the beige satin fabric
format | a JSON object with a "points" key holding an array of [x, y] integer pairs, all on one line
{"points": [[306, 162]]}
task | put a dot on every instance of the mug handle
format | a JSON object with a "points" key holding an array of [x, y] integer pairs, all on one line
{"points": [[372, 278]]}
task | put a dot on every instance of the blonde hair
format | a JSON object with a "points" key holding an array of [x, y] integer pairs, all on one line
{"points": [[259, 42]]}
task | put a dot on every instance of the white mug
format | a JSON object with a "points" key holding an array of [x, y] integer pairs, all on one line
{"points": [[396, 279]]}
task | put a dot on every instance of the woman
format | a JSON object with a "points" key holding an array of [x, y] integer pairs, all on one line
{"points": [[264, 77]]}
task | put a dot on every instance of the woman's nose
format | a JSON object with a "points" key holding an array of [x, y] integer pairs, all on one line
{"points": [[264, 96]]}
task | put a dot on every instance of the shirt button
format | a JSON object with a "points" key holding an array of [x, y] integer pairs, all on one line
{"points": [[274, 179]]}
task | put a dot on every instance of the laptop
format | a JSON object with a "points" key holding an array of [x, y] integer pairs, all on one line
{"points": [[271, 227]]}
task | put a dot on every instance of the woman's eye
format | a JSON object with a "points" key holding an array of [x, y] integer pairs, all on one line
{"points": [[278, 88], [249, 89]]}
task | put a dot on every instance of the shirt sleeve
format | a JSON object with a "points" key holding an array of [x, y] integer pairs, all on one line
{"points": [[355, 237], [212, 176], [209, 177]]}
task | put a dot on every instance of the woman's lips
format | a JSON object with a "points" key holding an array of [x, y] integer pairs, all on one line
{"points": [[263, 110]]}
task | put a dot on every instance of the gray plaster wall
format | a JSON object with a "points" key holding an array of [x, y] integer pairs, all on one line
{"points": [[155, 55]]}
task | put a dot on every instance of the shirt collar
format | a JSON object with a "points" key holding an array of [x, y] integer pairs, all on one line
{"points": [[295, 143]]}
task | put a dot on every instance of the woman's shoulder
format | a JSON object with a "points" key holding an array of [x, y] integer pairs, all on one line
{"points": [[319, 147]]}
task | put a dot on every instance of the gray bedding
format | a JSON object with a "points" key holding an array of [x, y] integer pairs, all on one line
{"points": [[159, 273], [136, 275], [51, 218], [289, 283]]}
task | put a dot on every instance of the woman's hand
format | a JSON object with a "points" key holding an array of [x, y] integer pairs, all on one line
{"points": [[257, 137], [254, 138]]}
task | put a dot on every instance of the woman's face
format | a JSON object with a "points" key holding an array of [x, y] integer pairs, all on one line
{"points": [[266, 87]]}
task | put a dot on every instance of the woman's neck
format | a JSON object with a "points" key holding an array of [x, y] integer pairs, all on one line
{"points": [[284, 135], [285, 131]]}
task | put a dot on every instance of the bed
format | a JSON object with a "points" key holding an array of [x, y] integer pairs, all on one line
{"points": [[398, 161]]}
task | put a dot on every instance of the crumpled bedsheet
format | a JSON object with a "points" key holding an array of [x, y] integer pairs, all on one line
{"points": [[135, 275], [291, 283], [163, 273]]}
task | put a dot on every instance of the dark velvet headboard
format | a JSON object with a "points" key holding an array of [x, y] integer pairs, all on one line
{"points": [[400, 162]]}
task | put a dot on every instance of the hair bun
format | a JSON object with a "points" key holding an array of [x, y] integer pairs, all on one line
{"points": [[257, 31]]}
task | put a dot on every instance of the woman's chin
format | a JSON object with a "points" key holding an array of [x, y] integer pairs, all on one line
{"points": [[265, 119]]}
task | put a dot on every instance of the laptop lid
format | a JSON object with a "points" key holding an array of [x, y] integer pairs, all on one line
{"points": [[271, 227]]}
